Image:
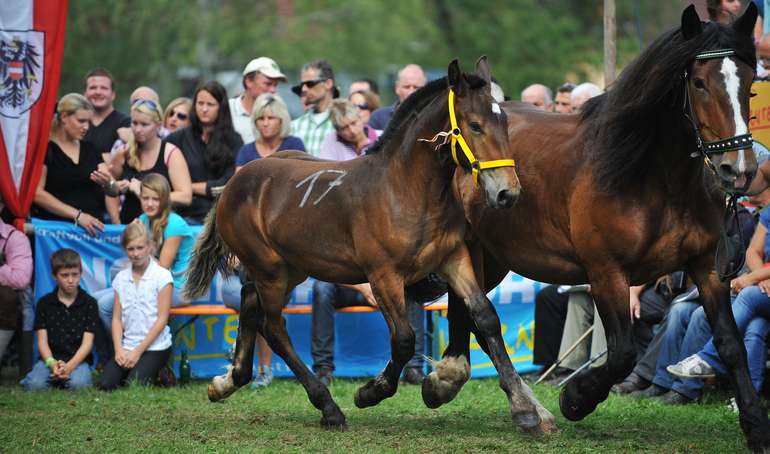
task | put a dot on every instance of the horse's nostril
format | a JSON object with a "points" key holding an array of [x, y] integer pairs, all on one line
{"points": [[505, 198], [727, 170]]}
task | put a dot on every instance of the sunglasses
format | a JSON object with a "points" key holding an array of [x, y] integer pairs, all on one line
{"points": [[297, 89], [363, 106], [179, 115], [145, 102]]}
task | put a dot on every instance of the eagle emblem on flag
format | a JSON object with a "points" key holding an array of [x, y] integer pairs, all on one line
{"points": [[21, 62]]}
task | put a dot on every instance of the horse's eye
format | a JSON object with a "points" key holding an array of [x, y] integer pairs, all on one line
{"points": [[699, 84], [475, 127]]}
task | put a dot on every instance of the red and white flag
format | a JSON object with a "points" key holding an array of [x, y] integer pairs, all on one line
{"points": [[31, 48]]}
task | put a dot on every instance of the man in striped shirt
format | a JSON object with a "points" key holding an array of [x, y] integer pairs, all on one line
{"points": [[317, 87]]}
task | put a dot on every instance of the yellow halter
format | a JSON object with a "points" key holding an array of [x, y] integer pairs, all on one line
{"points": [[476, 165]]}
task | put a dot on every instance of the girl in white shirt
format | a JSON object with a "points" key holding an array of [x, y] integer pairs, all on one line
{"points": [[140, 330]]}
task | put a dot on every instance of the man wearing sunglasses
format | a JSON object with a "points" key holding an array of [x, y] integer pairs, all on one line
{"points": [[261, 75], [317, 87]]}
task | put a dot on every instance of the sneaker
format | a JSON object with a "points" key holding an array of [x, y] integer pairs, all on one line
{"points": [[413, 375], [325, 375], [632, 383], [674, 398], [652, 391], [264, 377], [691, 367]]}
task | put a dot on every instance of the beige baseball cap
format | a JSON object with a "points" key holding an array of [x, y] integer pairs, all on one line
{"points": [[266, 66]]}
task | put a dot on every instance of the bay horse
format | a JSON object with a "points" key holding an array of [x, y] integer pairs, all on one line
{"points": [[619, 195], [389, 219]]}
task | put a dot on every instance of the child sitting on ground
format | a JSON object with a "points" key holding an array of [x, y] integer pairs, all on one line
{"points": [[140, 330], [65, 321]]}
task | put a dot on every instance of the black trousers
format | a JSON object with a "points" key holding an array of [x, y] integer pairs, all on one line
{"points": [[145, 371], [550, 314]]}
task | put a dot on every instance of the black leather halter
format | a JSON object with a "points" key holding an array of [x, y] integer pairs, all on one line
{"points": [[706, 149]]}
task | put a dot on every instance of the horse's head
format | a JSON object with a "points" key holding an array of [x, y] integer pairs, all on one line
{"points": [[718, 87], [480, 136]]}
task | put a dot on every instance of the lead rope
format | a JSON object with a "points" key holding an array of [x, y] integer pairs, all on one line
{"points": [[734, 254]]}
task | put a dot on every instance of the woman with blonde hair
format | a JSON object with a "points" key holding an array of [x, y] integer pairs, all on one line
{"points": [[271, 124], [140, 329], [177, 114], [74, 178], [171, 234], [147, 153]]}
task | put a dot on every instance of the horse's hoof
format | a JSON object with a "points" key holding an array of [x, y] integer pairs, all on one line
{"points": [[363, 397], [213, 394], [436, 392], [573, 409], [528, 421], [334, 422], [429, 394]]}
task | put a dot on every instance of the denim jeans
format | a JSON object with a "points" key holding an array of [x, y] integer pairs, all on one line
{"points": [[687, 330], [751, 310], [326, 298], [39, 378]]}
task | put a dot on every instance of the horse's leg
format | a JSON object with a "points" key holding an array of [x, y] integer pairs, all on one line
{"points": [[274, 331], [454, 370], [389, 292], [458, 270], [715, 297], [239, 373], [583, 393]]}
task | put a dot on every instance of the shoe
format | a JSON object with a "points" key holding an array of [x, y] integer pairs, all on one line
{"points": [[692, 367], [325, 375], [632, 383], [674, 398], [264, 378], [651, 391], [413, 375]]}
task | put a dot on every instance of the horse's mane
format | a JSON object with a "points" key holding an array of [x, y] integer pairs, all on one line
{"points": [[643, 110], [407, 112]]}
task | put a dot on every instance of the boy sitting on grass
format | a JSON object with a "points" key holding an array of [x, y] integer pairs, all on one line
{"points": [[65, 321]]}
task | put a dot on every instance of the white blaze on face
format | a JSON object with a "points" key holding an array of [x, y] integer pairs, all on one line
{"points": [[496, 108], [732, 84]]}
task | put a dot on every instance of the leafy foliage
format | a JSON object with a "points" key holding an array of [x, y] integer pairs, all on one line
{"points": [[154, 42]]}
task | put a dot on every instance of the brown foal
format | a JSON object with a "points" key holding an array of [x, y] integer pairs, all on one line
{"points": [[388, 218]]}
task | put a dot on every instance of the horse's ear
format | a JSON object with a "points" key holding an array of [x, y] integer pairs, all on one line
{"points": [[455, 78], [482, 69], [745, 24], [691, 24]]}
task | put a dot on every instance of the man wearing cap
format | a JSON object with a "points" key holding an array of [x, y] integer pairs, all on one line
{"points": [[317, 87], [260, 76]]}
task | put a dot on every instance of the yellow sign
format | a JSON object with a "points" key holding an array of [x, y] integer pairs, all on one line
{"points": [[759, 123]]}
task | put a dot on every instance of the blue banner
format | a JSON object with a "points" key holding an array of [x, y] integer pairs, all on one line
{"points": [[362, 345]]}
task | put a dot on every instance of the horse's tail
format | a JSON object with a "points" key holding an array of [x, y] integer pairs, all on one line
{"points": [[211, 255]]}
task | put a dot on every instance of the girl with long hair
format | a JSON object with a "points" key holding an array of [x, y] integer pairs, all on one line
{"points": [[140, 329], [147, 153]]}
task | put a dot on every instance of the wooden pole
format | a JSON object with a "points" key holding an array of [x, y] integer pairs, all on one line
{"points": [[610, 57]]}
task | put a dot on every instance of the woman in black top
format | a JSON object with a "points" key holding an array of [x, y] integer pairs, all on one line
{"points": [[146, 153], [209, 146], [74, 178]]}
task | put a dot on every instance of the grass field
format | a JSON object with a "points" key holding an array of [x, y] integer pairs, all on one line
{"points": [[280, 419]]}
